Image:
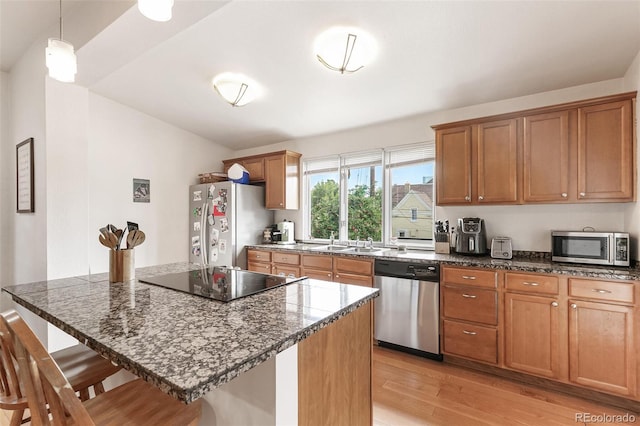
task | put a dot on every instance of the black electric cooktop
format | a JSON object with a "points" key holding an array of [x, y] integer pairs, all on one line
{"points": [[220, 283]]}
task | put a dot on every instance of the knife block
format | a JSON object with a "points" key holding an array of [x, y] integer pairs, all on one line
{"points": [[121, 266]]}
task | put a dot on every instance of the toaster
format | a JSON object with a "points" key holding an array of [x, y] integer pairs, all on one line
{"points": [[501, 248]]}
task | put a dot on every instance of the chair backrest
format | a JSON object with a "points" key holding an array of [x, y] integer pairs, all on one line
{"points": [[11, 398], [43, 382]]}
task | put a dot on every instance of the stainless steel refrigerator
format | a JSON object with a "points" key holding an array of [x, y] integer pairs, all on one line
{"points": [[223, 218]]}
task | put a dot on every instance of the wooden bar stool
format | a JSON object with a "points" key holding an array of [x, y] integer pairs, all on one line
{"points": [[83, 368], [134, 403]]}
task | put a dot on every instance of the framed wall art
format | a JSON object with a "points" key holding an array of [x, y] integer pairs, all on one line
{"points": [[141, 190], [24, 177]]}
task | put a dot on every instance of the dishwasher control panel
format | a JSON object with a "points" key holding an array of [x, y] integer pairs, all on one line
{"points": [[410, 270]]}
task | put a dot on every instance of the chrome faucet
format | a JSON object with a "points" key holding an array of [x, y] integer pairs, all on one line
{"points": [[370, 242], [332, 238]]}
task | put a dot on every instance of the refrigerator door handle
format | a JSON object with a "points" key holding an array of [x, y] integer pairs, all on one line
{"points": [[203, 233]]}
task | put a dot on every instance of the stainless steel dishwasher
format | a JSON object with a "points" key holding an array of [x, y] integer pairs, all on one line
{"points": [[407, 312]]}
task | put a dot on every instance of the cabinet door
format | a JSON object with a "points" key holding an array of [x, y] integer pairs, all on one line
{"points": [[264, 268], [255, 167], [453, 166], [497, 162], [532, 334], [546, 157], [601, 351], [285, 270], [275, 185], [605, 152]]}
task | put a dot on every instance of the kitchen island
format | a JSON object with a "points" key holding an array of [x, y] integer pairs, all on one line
{"points": [[188, 345]]}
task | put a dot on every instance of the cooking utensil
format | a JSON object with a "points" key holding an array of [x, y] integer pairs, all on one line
{"points": [[113, 241], [135, 238], [132, 226], [103, 240], [104, 232]]}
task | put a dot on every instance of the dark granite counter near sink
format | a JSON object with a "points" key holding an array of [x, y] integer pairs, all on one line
{"points": [[184, 344]]}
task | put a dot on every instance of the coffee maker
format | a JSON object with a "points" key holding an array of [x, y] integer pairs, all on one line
{"points": [[472, 237], [283, 233]]}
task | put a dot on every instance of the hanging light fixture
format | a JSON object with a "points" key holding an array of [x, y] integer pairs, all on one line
{"points": [[60, 58], [345, 49], [237, 89], [156, 10]]}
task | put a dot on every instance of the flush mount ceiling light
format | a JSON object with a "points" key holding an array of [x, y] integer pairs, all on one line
{"points": [[156, 10], [60, 58], [345, 49], [237, 89]]}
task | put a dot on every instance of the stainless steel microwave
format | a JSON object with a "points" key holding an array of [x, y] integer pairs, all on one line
{"points": [[593, 248]]}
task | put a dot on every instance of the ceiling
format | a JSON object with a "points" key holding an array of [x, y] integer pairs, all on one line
{"points": [[433, 55]]}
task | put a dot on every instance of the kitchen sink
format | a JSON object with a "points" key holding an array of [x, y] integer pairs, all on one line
{"points": [[366, 249], [332, 248]]}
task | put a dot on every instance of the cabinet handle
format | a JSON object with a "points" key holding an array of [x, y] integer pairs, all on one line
{"points": [[531, 283], [468, 277], [329, 275], [337, 276], [582, 194], [564, 195], [258, 256], [554, 304], [469, 296], [481, 197], [574, 306], [471, 333], [280, 203], [467, 198], [601, 291]]}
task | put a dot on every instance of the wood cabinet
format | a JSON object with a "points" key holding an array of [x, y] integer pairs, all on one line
{"points": [[532, 330], [575, 330], [576, 152], [280, 172], [469, 307], [546, 149], [348, 270], [605, 152], [602, 352], [477, 164]]}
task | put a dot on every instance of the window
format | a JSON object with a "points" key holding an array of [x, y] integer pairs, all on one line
{"points": [[376, 194], [411, 193]]}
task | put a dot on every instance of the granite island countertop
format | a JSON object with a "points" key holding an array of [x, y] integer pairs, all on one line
{"points": [[186, 345], [518, 263]]}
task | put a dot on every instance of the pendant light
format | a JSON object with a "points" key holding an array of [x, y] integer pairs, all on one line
{"points": [[60, 58], [156, 10], [237, 89], [345, 49]]}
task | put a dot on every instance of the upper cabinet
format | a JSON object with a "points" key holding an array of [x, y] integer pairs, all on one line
{"points": [[476, 164], [280, 172], [571, 153]]}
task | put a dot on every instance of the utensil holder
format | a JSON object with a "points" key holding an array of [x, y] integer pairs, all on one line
{"points": [[442, 247], [121, 266]]}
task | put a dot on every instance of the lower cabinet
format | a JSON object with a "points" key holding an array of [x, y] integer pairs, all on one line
{"points": [[601, 350], [347, 270], [579, 331]]}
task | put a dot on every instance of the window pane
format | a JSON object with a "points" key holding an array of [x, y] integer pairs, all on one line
{"points": [[364, 185], [324, 204], [412, 201]]}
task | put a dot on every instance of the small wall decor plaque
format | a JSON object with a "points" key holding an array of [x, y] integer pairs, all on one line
{"points": [[24, 177], [141, 190]]}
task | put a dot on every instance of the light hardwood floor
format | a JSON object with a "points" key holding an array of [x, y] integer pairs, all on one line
{"points": [[410, 390]]}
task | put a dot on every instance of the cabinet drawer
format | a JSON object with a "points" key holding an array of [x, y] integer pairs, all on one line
{"points": [[264, 268], [287, 258], [258, 256], [471, 304], [318, 274], [356, 266], [473, 277], [363, 280], [602, 290], [317, 261], [471, 341], [531, 283], [286, 270]]}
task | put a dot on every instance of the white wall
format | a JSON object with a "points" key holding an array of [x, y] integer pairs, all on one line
{"points": [[529, 226], [126, 144], [632, 211], [4, 176]]}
